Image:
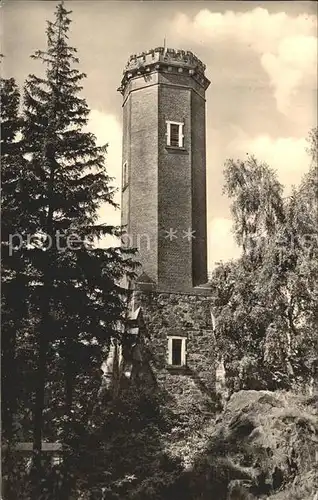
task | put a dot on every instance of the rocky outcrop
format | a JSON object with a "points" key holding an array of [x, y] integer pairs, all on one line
{"points": [[264, 445]]}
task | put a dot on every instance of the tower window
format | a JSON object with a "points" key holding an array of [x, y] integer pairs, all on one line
{"points": [[125, 174], [174, 134], [177, 351]]}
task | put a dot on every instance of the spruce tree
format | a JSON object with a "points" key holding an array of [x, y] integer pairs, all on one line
{"points": [[13, 290], [17, 222], [76, 295], [10, 162]]}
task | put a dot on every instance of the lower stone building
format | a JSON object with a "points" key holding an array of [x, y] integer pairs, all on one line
{"points": [[180, 330], [170, 343]]}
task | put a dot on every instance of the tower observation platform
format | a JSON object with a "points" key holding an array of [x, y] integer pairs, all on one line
{"points": [[163, 59]]}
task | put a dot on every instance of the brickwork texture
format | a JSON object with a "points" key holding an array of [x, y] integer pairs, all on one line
{"points": [[167, 186]]}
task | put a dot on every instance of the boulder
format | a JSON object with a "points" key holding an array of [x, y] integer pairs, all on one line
{"points": [[264, 446]]}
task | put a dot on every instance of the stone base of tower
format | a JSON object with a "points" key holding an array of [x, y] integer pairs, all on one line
{"points": [[180, 320]]}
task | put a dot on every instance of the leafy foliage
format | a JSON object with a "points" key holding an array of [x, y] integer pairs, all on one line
{"points": [[266, 301], [122, 452]]}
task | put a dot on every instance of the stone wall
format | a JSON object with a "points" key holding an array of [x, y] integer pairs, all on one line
{"points": [[192, 389]]}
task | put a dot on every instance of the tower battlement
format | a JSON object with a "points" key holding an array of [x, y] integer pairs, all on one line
{"points": [[164, 59]]}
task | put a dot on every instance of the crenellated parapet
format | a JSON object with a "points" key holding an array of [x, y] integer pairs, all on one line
{"points": [[166, 60]]}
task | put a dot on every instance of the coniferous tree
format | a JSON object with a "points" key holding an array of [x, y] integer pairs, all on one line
{"points": [[13, 290], [11, 164], [17, 222], [75, 296]]}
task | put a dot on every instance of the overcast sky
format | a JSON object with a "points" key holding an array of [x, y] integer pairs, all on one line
{"points": [[261, 58]]}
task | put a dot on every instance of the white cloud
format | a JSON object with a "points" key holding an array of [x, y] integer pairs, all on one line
{"points": [[221, 243], [108, 130], [287, 155], [286, 45], [292, 66]]}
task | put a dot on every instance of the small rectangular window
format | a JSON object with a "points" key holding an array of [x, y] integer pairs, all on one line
{"points": [[177, 351], [125, 174], [174, 134]]}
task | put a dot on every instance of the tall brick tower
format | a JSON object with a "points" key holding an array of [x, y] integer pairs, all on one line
{"points": [[164, 212], [164, 166]]}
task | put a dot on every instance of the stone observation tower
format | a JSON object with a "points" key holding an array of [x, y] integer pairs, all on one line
{"points": [[164, 166], [164, 214]]}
